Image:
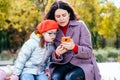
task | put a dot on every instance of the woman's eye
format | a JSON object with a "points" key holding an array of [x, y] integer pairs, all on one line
{"points": [[57, 16], [64, 15]]}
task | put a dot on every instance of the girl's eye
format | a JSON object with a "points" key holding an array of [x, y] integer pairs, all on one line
{"points": [[52, 33]]}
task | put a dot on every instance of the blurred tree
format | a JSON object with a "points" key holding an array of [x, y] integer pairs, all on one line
{"points": [[4, 12], [24, 15], [117, 29], [14, 41], [89, 12], [41, 5], [108, 26], [101, 17]]}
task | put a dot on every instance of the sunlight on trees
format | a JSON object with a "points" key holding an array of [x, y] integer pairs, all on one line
{"points": [[101, 17]]}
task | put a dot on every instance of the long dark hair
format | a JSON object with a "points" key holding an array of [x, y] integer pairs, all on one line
{"points": [[61, 5]]}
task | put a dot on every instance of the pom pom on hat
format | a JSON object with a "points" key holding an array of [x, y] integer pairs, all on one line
{"points": [[47, 25]]}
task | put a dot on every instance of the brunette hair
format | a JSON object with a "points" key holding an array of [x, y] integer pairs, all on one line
{"points": [[61, 5], [42, 41]]}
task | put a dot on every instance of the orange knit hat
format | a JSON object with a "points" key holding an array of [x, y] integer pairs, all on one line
{"points": [[47, 25]]}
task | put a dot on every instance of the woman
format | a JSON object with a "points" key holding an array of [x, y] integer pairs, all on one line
{"points": [[34, 55], [72, 60]]}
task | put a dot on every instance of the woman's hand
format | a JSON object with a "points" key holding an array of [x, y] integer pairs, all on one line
{"points": [[68, 45], [60, 50]]}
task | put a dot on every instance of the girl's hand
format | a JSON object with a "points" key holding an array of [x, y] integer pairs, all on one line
{"points": [[14, 77], [68, 45], [47, 72], [7, 78]]}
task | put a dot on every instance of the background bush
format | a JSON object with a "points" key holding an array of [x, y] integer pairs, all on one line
{"points": [[107, 54]]}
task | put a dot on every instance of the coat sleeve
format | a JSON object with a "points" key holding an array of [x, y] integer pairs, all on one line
{"points": [[55, 59], [85, 46], [22, 58]]}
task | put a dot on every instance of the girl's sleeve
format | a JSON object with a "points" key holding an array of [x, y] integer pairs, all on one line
{"points": [[23, 56]]}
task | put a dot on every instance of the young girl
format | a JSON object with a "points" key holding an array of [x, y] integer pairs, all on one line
{"points": [[35, 52]]}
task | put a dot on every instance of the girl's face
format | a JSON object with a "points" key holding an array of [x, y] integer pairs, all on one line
{"points": [[62, 17], [50, 35]]}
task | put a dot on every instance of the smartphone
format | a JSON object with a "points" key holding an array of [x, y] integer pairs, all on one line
{"points": [[65, 39]]}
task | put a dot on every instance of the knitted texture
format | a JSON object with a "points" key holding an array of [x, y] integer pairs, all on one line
{"points": [[47, 25]]}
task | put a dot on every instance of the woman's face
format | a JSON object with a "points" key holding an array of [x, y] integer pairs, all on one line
{"points": [[50, 35], [62, 17]]}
